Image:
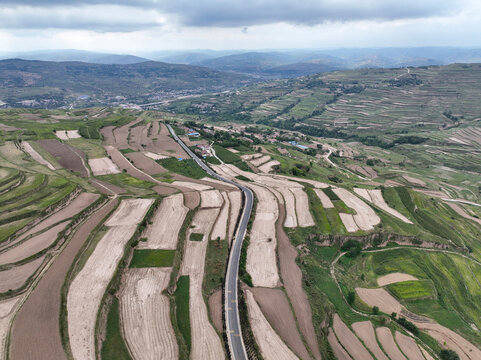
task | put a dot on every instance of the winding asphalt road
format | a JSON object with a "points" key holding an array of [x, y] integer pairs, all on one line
{"points": [[233, 327]]}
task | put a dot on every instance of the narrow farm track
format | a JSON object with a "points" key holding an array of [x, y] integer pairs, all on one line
{"points": [[35, 333]]}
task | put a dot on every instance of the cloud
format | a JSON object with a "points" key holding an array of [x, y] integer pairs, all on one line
{"points": [[100, 18], [236, 13]]}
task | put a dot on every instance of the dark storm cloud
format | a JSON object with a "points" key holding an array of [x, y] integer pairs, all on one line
{"points": [[230, 13]]}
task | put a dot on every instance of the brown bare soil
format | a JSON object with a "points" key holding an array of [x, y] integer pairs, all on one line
{"points": [[15, 277], [206, 343], [105, 187], [163, 144], [414, 181], [380, 298], [7, 312], [348, 222], [277, 310], [325, 201], [338, 350], [192, 199], [292, 279], [460, 211], [259, 161], [375, 197], [190, 185], [36, 156], [165, 190], [394, 278], [211, 198], [220, 227], [145, 314], [145, 163], [365, 331], [261, 253], [304, 217], [123, 163], [67, 156], [270, 344], [108, 134], [36, 329], [408, 346], [88, 287], [235, 198], [387, 342], [365, 217], [31, 246], [73, 208], [215, 309], [350, 342], [121, 134], [103, 166], [166, 223], [267, 167]]}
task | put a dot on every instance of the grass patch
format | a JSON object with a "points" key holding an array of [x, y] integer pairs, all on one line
{"points": [[212, 160], [196, 237], [187, 167], [217, 253], [331, 194], [412, 289], [113, 347], [124, 179], [182, 309], [126, 151], [243, 178], [230, 158], [152, 258]]}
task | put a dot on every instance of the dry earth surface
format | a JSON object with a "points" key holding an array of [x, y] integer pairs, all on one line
{"points": [[36, 156], [103, 166], [15, 277], [350, 342], [365, 331], [338, 350], [386, 339], [375, 197], [408, 346], [394, 278], [365, 216]]}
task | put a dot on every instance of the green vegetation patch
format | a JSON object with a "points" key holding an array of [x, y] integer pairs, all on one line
{"points": [[126, 151], [331, 194], [217, 253], [187, 167], [412, 289], [196, 237], [113, 347], [230, 158], [242, 178], [182, 308], [152, 258], [124, 179]]}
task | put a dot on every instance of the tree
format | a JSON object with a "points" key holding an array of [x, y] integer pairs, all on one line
{"points": [[375, 310], [448, 355], [351, 296], [393, 315]]}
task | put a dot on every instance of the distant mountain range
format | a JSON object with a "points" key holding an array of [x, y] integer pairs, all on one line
{"points": [[273, 64], [55, 84]]}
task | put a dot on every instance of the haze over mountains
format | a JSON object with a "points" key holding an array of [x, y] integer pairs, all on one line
{"points": [[274, 64]]}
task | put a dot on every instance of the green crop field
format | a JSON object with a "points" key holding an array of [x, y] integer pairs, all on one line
{"points": [[152, 258], [411, 290], [186, 167]]}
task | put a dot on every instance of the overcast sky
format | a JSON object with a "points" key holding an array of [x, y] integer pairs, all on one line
{"points": [[137, 26]]}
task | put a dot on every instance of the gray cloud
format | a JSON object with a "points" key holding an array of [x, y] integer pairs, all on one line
{"points": [[222, 13]]}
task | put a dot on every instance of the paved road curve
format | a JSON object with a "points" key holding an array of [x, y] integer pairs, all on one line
{"points": [[233, 327]]}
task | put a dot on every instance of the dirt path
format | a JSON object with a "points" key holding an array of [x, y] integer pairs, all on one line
{"points": [[271, 345], [35, 331], [146, 314], [292, 278]]}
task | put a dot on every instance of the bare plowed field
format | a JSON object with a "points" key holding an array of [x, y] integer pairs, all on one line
{"points": [[409, 347], [220, 227], [277, 310], [130, 212], [325, 201], [365, 331], [15, 277], [215, 309], [304, 217], [261, 253], [36, 156], [103, 166], [365, 217], [380, 298], [155, 156], [145, 163], [67, 156], [235, 198], [375, 197], [394, 278], [210, 199], [31, 246], [350, 342], [36, 329], [259, 161], [166, 223], [338, 350], [348, 222], [267, 167], [145, 314], [388, 344], [192, 185], [270, 344], [7, 311]]}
